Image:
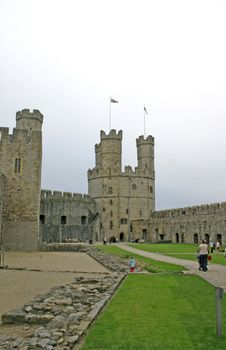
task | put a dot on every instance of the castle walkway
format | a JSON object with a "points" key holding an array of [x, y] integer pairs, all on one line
{"points": [[216, 274]]}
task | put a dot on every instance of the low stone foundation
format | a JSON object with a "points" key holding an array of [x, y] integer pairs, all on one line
{"points": [[65, 312]]}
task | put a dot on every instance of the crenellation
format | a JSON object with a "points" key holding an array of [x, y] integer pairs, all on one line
{"points": [[27, 113], [112, 135], [141, 140], [120, 204]]}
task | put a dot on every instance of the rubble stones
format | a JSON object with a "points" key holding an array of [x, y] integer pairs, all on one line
{"points": [[65, 312]]}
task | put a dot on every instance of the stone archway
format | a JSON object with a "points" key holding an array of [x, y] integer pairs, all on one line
{"points": [[196, 238], [177, 237], [121, 237], [219, 238], [112, 239], [207, 238]]}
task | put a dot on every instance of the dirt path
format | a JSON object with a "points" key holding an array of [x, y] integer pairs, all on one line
{"points": [[216, 274], [30, 274]]}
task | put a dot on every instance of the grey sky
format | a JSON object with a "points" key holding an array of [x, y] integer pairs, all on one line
{"points": [[66, 58]]}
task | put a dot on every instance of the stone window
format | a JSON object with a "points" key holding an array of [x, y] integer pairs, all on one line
{"points": [[151, 189], [83, 220], [17, 167], [110, 190], [123, 221], [140, 212], [42, 219], [127, 211], [111, 213], [111, 225], [131, 228], [63, 220], [111, 201]]}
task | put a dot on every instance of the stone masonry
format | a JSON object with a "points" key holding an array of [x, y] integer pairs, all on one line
{"points": [[120, 205], [122, 196], [20, 163]]}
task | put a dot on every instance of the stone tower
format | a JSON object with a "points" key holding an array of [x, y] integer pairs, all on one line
{"points": [[20, 164], [122, 197]]}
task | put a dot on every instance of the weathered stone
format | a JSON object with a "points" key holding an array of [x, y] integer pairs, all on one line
{"points": [[14, 316]]}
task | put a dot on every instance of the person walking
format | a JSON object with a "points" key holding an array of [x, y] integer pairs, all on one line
{"points": [[203, 255]]}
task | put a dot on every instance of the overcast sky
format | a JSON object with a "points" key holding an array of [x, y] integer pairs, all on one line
{"points": [[67, 57]]}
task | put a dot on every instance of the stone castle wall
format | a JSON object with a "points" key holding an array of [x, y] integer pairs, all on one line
{"points": [[66, 217], [21, 156], [120, 204], [2, 180], [190, 224]]}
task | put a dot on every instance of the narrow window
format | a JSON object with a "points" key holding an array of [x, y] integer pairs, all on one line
{"points": [[140, 212], [111, 201], [63, 220], [110, 190], [127, 211], [111, 225], [151, 189], [17, 166], [111, 213], [42, 219], [83, 220]]}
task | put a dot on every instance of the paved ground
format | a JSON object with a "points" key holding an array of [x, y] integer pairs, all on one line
{"points": [[216, 274], [30, 274]]}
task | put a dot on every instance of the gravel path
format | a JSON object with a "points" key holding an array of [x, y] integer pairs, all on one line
{"points": [[216, 274]]}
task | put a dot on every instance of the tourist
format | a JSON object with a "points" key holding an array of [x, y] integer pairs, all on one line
{"points": [[105, 240], [211, 246], [132, 264], [203, 255], [218, 246]]}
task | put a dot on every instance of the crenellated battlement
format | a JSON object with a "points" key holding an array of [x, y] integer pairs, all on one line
{"points": [[204, 209], [142, 141], [58, 195], [112, 135], [26, 113], [23, 135]]}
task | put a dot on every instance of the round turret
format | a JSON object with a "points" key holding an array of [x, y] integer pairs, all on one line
{"points": [[110, 150], [29, 120], [145, 153]]}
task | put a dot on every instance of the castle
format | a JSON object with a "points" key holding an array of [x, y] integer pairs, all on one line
{"points": [[120, 205]]}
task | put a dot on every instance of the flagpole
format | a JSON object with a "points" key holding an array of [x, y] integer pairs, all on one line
{"points": [[109, 114], [144, 124]]}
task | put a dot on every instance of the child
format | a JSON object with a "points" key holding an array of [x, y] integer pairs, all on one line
{"points": [[132, 264]]}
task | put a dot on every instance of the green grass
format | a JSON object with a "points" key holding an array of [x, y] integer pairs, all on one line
{"points": [[148, 264], [167, 247], [180, 251], [159, 312]]}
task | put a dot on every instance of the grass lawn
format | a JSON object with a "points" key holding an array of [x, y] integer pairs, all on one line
{"points": [[180, 251], [148, 264], [159, 312]]}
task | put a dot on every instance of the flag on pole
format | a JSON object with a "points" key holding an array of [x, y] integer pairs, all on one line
{"points": [[145, 110], [112, 100]]}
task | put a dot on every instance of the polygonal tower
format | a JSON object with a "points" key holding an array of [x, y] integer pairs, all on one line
{"points": [[21, 159], [122, 197]]}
